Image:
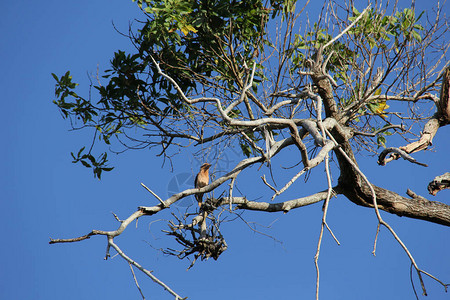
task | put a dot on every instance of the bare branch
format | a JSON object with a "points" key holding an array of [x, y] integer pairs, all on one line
{"points": [[376, 240], [266, 183], [324, 224], [122, 227], [440, 118], [382, 222], [382, 157], [156, 196], [319, 99], [136, 282], [142, 269], [348, 27], [285, 206], [311, 164], [439, 183]]}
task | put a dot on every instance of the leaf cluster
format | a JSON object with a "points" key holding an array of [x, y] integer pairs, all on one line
{"points": [[208, 49]]}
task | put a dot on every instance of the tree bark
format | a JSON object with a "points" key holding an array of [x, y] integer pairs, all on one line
{"points": [[439, 183], [355, 188], [416, 207]]}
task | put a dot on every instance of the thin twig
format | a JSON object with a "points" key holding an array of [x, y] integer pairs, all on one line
{"points": [[385, 224], [156, 196], [271, 187], [324, 224], [145, 271], [231, 192], [332, 234], [348, 27], [374, 134], [136, 282], [290, 182], [375, 241], [117, 218]]}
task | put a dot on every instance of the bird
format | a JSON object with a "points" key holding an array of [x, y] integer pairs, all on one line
{"points": [[201, 180]]}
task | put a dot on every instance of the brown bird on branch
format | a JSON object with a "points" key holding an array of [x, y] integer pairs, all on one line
{"points": [[201, 180]]}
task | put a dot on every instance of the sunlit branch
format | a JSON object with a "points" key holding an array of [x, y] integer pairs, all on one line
{"points": [[324, 224], [439, 183], [136, 282], [382, 157], [142, 269], [151, 192], [380, 219], [348, 27]]}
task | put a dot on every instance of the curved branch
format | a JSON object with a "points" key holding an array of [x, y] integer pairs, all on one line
{"points": [[111, 235], [439, 119], [416, 207], [312, 163], [439, 183], [374, 199], [382, 160], [114, 233]]}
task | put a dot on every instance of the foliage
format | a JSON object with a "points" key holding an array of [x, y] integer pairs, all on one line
{"points": [[252, 75], [209, 47], [190, 37]]}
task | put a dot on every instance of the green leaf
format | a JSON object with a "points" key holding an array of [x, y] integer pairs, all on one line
{"points": [[246, 150], [417, 36], [85, 164], [381, 141], [81, 150]]}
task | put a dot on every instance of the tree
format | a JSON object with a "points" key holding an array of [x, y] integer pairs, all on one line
{"points": [[217, 74]]}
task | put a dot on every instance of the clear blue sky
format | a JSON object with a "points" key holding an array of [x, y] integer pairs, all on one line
{"points": [[44, 195]]}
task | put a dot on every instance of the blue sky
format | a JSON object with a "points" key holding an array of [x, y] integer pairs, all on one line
{"points": [[44, 195]]}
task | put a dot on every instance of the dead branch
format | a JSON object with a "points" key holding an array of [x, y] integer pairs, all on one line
{"points": [[439, 183], [145, 271], [439, 119], [382, 160], [136, 282], [385, 224]]}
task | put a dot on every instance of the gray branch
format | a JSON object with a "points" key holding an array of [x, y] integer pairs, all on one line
{"points": [[382, 157], [439, 183]]}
